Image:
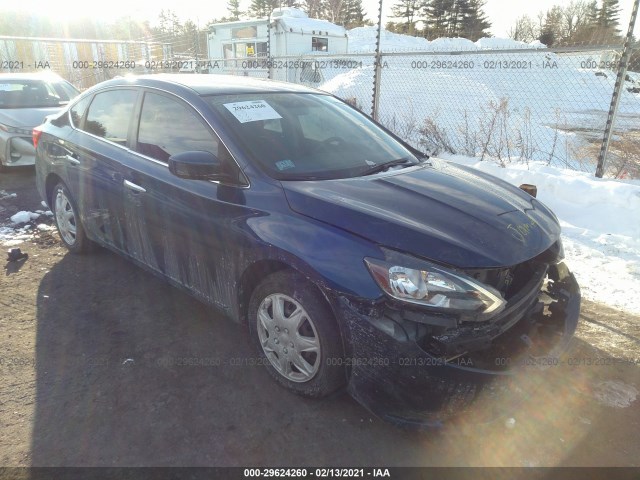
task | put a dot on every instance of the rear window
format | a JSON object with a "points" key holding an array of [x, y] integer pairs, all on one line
{"points": [[16, 93]]}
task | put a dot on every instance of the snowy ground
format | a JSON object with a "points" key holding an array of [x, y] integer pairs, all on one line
{"points": [[555, 105], [600, 226]]}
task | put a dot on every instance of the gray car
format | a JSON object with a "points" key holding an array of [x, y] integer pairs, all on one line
{"points": [[25, 100]]}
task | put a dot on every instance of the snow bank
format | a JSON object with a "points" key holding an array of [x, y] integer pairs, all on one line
{"points": [[600, 226], [363, 39]]}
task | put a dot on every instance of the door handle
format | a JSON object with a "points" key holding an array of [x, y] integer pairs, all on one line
{"points": [[133, 187], [72, 159]]}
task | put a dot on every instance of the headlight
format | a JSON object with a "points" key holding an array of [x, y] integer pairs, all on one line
{"points": [[436, 287], [19, 131]]}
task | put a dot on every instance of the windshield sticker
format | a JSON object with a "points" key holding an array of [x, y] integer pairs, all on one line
{"points": [[5, 86], [252, 111], [285, 165]]}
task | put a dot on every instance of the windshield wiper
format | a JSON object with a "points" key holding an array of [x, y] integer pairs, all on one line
{"points": [[386, 166]]}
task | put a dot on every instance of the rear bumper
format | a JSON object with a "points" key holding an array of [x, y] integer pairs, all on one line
{"points": [[403, 382]]}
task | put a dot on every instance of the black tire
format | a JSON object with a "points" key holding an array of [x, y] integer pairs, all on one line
{"points": [[324, 370], [65, 214]]}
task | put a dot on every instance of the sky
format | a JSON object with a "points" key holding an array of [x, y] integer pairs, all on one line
{"points": [[502, 13]]}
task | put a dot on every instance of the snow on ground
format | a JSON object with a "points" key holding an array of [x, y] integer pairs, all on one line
{"points": [[600, 222], [22, 227], [556, 104]]}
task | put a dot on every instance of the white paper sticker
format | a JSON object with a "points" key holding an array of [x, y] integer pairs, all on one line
{"points": [[5, 86], [252, 111]]}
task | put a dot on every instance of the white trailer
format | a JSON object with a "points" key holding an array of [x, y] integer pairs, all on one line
{"points": [[252, 47]]}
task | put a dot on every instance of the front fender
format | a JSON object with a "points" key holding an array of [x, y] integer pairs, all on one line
{"points": [[330, 257]]}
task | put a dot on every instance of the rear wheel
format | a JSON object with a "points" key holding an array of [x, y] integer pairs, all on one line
{"points": [[296, 333], [68, 221]]}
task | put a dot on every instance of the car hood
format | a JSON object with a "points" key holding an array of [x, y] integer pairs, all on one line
{"points": [[25, 117], [440, 211]]}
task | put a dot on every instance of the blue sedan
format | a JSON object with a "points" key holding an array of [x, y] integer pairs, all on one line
{"points": [[355, 260]]}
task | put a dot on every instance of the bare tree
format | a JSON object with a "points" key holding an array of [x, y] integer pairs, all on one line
{"points": [[525, 29]]}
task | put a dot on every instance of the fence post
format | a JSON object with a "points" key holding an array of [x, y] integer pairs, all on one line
{"points": [[269, 76], [617, 93], [376, 68]]}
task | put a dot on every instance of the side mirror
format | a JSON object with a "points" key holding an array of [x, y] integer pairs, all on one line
{"points": [[197, 165]]}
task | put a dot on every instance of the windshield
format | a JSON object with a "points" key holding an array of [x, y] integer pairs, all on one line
{"points": [[298, 136], [16, 93]]}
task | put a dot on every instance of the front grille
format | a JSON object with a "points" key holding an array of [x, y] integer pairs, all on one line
{"points": [[511, 280], [508, 281]]}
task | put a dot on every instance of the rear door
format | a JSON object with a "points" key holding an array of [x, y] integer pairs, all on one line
{"points": [[92, 158]]}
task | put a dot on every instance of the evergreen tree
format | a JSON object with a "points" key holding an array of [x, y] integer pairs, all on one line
{"points": [[233, 6], [314, 8], [263, 8], [552, 27], [408, 10], [475, 24], [609, 14], [437, 16], [592, 13], [352, 14], [461, 10]]}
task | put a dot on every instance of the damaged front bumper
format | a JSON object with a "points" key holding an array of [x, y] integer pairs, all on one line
{"points": [[414, 375]]}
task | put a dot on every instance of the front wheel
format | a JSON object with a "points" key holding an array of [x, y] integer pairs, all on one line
{"points": [[68, 221], [295, 331]]}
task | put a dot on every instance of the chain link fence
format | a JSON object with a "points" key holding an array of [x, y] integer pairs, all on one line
{"points": [[84, 63], [509, 105]]}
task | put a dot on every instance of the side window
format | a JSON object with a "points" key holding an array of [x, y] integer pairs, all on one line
{"points": [[109, 115], [168, 127], [77, 111]]}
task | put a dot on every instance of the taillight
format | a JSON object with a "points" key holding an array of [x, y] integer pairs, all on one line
{"points": [[35, 135]]}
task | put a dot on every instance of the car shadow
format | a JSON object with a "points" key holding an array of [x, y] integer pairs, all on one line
{"points": [[133, 372]]}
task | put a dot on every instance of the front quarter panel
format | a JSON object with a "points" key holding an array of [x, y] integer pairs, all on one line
{"points": [[330, 257]]}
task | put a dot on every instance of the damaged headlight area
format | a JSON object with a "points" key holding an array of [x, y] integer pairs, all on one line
{"points": [[435, 287]]}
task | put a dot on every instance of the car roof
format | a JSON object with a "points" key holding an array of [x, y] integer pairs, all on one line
{"points": [[210, 84]]}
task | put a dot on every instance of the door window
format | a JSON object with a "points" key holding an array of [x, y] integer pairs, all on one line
{"points": [[109, 115], [168, 127]]}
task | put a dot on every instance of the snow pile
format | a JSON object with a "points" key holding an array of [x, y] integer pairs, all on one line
{"points": [[363, 39], [24, 217], [4, 194], [23, 227], [295, 20], [600, 222]]}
